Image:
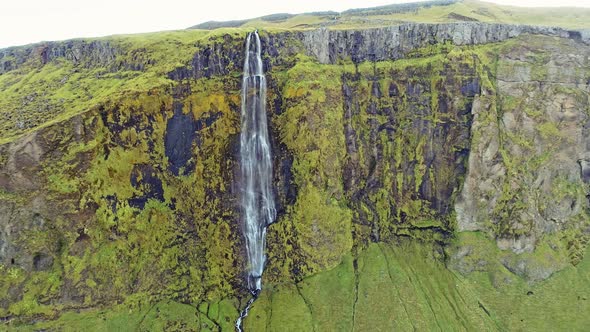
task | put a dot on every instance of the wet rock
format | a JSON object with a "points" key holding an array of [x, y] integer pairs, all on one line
{"points": [[180, 134], [144, 178], [471, 88], [584, 170], [42, 262]]}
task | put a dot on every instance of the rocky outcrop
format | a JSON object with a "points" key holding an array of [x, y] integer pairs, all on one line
{"points": [[180, 134], [224, 55], [26, 209], [532, 140], [396, 42], [212, 59], [406, 159], [527, 180], [329, 46], [91, 53]]}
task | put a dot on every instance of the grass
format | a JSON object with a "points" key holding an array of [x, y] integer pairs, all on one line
{"points": [[467, 10], [403, 287], [552, 304], [569, 18], [397, 286], [161, 316], [393, 287]]}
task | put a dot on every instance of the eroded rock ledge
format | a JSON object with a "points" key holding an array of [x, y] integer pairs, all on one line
{"points": [[395, 42]]}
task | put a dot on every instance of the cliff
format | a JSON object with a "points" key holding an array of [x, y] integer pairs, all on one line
{"points": [[429, 176]]}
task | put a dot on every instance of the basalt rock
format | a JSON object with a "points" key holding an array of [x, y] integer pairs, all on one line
{"points": [[180, 135], [396, 42], [80, 52], [473, 145]]}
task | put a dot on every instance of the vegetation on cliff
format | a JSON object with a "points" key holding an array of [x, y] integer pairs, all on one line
{"points": [[444, 188], [435, 11]]}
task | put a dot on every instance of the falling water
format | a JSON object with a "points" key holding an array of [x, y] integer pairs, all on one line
{"points": [[258, 205]]}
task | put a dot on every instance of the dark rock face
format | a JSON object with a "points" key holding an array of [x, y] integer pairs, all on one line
{"points": [[144, 178], [42, 262], [216, 59], [180, 134], [206, 121], [91, 53], [395, 42], [224, 57], [585, 170], [471, 88], [431, 154], [285, 189]]}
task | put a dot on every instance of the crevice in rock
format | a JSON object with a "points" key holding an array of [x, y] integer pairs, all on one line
{"points": [[393, 285], [307, 304], [356, 291], [211, 319], [269, 312], [144, 316], [483, 308], [417, 286]]}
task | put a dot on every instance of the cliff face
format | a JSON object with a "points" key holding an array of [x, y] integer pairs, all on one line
{"points": [[391, 43], [402, 155], [527, 178]]}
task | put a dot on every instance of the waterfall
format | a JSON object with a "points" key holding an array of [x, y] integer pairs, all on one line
{"points": [[258, 205]]}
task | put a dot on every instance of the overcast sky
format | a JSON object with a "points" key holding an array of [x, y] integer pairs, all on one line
{"points": [[28, 21]]}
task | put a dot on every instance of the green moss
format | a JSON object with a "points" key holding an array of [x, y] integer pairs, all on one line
{"points": [[338, 286], [517, 304], [111, 250], [161, 316], [324, 271], [388, 287], [287, 311], [222, 314], [71, 88], [404, 286]]}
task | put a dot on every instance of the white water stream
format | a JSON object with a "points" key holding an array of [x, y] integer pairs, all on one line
{"points": [[257, 199]]}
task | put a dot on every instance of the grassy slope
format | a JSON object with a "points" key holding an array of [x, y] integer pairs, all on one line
{"points": [[552, 304], [161, 316], [401, 287], [569, 18]]}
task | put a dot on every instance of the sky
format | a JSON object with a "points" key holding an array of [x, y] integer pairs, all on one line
{"points": [[30, 21]]}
